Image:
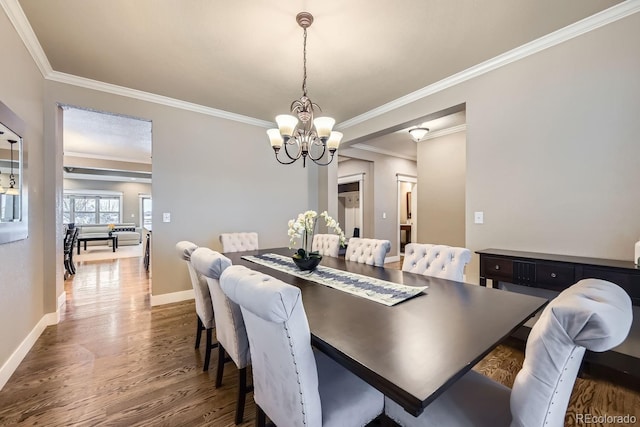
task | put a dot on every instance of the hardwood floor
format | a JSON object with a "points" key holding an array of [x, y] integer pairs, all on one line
{"points": [[114, 360]]}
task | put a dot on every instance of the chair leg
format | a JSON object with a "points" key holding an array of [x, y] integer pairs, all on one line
{"points": [[242, 394], [207, 353], [220, 370], [199, 331], [261, 418]]}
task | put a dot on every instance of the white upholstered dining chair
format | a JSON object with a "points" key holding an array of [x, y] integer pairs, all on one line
{"points": [[230, 330], [294, 385], [239, 242], [367, 251], [592, 314], [445, 262], [204, 307], [326, 244]]}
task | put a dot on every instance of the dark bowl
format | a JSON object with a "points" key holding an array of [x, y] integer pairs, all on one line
{"points": [[307, 264]]}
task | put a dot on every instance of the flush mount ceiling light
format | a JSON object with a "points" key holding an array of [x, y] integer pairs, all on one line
{"points": [[418, 133], [303, 136]]}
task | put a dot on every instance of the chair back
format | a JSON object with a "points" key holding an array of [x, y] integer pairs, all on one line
{"points": [[592, 314], [204, 306], [326, 244], [367, 251], [239, 242], [230, 330], [285, 376], [446, 262], [68, 240]]}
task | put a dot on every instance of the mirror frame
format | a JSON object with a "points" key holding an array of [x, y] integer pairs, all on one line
{"points": [[18, 230]]}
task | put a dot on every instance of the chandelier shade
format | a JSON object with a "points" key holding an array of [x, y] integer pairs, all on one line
{"points": [[301, 133]]}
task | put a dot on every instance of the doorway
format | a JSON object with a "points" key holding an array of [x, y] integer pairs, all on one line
{"points": [[407, 211], [350, 205]]}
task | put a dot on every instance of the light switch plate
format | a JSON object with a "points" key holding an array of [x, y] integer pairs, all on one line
{"points": [[478, 217], [166, 217]]}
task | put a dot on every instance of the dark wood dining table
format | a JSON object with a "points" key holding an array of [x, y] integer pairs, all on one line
{"points": [[413, 351]]}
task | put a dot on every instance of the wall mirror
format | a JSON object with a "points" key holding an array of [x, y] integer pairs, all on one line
{"points": [[13, 195]]}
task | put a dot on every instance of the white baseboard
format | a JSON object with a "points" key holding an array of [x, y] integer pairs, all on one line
{"points": [[15, 359], [395, 258], [172, 297]]}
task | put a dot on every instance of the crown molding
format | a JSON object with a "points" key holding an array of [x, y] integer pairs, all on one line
{"points": [[365, 147], [614, 13], [23, 28], [443, 132], [152, 97], [146, 161]]}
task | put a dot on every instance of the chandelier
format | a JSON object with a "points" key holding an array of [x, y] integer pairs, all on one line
{"points": [[12, 190], [301, 134]]}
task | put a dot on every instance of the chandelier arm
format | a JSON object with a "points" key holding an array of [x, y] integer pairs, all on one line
{"points": [[317, 162], [284, 163], [297, 143], [324, 150]]}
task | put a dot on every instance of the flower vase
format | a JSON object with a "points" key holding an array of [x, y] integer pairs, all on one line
{"points": [[307, 264]]}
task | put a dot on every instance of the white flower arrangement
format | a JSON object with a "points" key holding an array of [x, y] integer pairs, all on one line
{"points": [[304, 228]]}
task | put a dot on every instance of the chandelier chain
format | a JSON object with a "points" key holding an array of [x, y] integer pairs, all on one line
{"points": [[304, 63]]}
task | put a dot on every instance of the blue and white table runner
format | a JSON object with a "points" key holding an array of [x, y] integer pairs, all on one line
{"points": [[380, 291]]}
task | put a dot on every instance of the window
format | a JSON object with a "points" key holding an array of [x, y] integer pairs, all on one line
{"points": [[146, 208], [92, 208]]}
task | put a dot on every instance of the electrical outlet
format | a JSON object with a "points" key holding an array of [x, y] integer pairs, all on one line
{"points": [[166, 217]]}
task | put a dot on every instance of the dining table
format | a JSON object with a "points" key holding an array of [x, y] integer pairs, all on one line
{"points": [[411, 351]]}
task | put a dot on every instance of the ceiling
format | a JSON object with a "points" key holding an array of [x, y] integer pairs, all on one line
{"points": [[245, 57]]}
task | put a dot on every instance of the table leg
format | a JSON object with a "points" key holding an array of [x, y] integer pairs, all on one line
{"points": [[114, 242], [78, 248]]}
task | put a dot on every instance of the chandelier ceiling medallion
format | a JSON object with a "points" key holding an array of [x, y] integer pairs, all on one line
{"points": [[301, 134], [418, 133]]}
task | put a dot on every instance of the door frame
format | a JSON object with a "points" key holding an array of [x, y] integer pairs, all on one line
{"points": [[413, 180]]}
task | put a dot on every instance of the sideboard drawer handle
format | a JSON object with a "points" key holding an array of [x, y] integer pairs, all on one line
{"points": [[554, 275], [497, 267]]}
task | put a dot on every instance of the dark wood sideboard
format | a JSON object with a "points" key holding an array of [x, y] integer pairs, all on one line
{"points": [[557, 272]]}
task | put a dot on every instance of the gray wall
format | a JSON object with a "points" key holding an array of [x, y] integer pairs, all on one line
{"points": [[552, 143], [441, 190], [130, 192], [225, 179], [21, 262], [382, 196]]}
